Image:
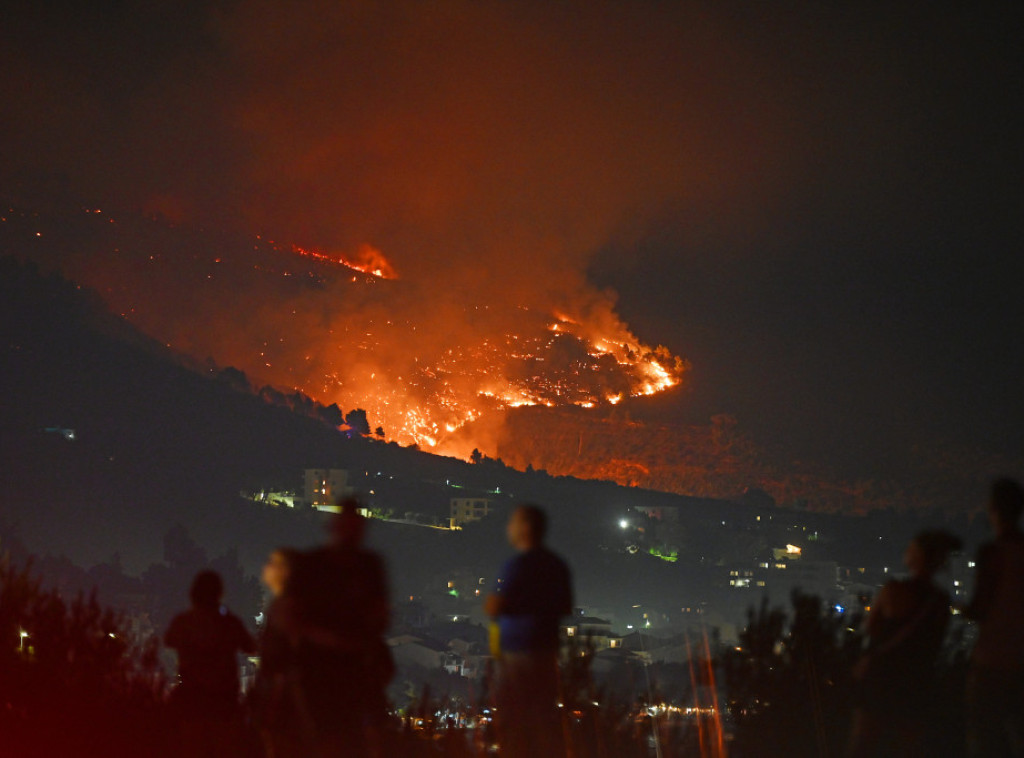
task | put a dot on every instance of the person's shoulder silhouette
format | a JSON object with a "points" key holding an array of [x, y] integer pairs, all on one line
{"points": [[207, 639], [342, 587]]}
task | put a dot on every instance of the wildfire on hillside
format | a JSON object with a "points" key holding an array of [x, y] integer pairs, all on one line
{"points": [[367, 260], [552, 361], [425, 360]]}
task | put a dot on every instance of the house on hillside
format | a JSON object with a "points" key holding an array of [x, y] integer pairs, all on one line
{"points": [[323, 488], [605, 662], [468, 666], [407, 650], [460, 657], [589, 630], [463, 510]]}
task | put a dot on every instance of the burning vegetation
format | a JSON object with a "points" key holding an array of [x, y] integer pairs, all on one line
{"points": [[547, 362], [433, 367], [537, 386], [367, 260]]}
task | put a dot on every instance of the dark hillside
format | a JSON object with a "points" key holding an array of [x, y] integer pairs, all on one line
{"points": [[157, 442]]}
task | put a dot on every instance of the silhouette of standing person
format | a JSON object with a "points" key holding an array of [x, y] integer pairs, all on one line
{"points": [[271, 702], [337, 609], [995, 681], [208, 639], [906, 627], [533, 592], [277, 569]]}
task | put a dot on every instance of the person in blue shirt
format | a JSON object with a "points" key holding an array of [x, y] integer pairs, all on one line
{"points": [[532, 594]]}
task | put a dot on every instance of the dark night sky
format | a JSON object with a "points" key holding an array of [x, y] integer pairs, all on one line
{"points": [[821, 208], [877, 300]]}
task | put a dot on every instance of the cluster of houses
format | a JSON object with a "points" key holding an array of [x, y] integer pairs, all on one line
{"points": [[323, 488], [462, 647]]}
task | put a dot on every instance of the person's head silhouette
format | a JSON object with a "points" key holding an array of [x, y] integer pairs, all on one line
{"points": [[277, 569], [348, 527], [207, 590], [527, 527], [929, 551]]}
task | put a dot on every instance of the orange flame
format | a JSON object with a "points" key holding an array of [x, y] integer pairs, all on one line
{"points": [[440, 395], [367, 260], [468, 381]]}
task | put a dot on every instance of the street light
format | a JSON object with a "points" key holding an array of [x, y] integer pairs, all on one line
{"points": [[21, 643], [623, 524]]}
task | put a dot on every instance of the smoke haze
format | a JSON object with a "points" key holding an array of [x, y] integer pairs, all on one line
{"points": [[749, 173]]}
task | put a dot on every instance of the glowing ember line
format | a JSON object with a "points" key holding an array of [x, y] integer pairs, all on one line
{"points": [[368, 260]]}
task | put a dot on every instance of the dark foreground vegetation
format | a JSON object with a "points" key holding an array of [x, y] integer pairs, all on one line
{"points": [[73, 682]]}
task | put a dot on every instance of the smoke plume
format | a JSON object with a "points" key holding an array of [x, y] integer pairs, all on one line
{"points": [[484, 151]]}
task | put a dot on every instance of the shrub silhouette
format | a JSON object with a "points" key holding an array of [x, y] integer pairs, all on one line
{"points": [[73, 682]]}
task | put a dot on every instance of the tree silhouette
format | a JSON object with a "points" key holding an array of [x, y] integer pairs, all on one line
{"points": [[181, 551], [357, 421], [235, 379], [72, 679], [331, 414], [790, 687]]}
